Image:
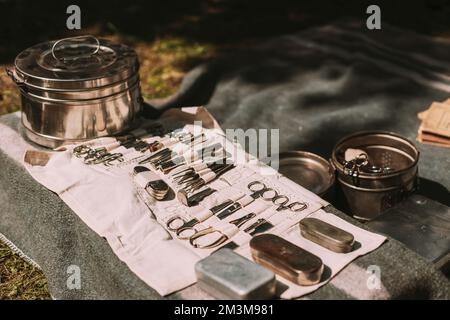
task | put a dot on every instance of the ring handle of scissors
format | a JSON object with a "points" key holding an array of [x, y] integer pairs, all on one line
{"points": [[268, 194], [193, 239], [261, 190], [297, 206], [169, 223], [258, 184], [181, 231], [280, 200]]}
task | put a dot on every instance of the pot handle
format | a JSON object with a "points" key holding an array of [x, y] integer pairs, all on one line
{"points": [[11, 72], [332, 165], [75, 39]]}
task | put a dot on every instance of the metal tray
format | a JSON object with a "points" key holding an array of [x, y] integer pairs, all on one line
{"points": [[308, 170]]}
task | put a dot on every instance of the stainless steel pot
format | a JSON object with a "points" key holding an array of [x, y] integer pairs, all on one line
{"points": [[77, 89], [387, 177]]}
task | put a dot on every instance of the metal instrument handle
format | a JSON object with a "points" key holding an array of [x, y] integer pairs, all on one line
{"points": [[266, 194], [229, 211], [78, 38], [255, 225], [280, 200], [193, 239], [114, 157], [185, 233], [81, 150], [261, 192], [221, 206], [169, 223], [258, 184], [187, 226], [298, 206], [239, 222], [195, 198]]}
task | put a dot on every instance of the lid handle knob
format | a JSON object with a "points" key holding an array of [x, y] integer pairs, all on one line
{"points": [[75, 39]]}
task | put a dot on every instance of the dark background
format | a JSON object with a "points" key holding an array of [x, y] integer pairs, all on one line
{"points": [[24, 23]]}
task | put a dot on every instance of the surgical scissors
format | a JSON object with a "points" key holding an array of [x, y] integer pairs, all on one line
{"points": [[173, 224], [294, 206], [225, 232], [224, 236], [259, 189]]}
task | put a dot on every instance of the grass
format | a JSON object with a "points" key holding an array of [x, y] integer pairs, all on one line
{"points": [[19, 279], [165, 62]]}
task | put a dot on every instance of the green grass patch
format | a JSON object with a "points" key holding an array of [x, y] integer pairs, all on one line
{"points": [[19, 279]]}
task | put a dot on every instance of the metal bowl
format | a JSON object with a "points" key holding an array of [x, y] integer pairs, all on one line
{"points": [[308, 170]]}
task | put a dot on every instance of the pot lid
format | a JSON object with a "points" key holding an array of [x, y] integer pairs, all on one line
{"points": [[76, 63]]}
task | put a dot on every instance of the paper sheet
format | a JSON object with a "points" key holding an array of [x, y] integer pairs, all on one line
{"points": [[435, 126]]}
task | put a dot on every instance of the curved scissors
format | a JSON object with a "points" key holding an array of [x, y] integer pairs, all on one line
{"points": [[222, 238], [210, 230]]}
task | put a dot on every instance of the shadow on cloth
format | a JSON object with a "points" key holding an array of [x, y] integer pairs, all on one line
{"points": [[312, 95]]}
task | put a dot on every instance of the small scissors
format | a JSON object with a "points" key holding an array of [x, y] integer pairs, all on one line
{"points": [[81, 150], [295, 206], [223, 237], [185, 228], [260, 190]]}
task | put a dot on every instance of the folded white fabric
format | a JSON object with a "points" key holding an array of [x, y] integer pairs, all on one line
{"points": [[110, 206]]}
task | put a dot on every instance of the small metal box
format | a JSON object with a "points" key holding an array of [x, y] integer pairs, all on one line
{"points": [[326, 235], [227, 275], [286, 259]]}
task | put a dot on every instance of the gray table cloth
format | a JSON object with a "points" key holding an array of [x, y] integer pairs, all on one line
{"points": [[315, 86]]}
